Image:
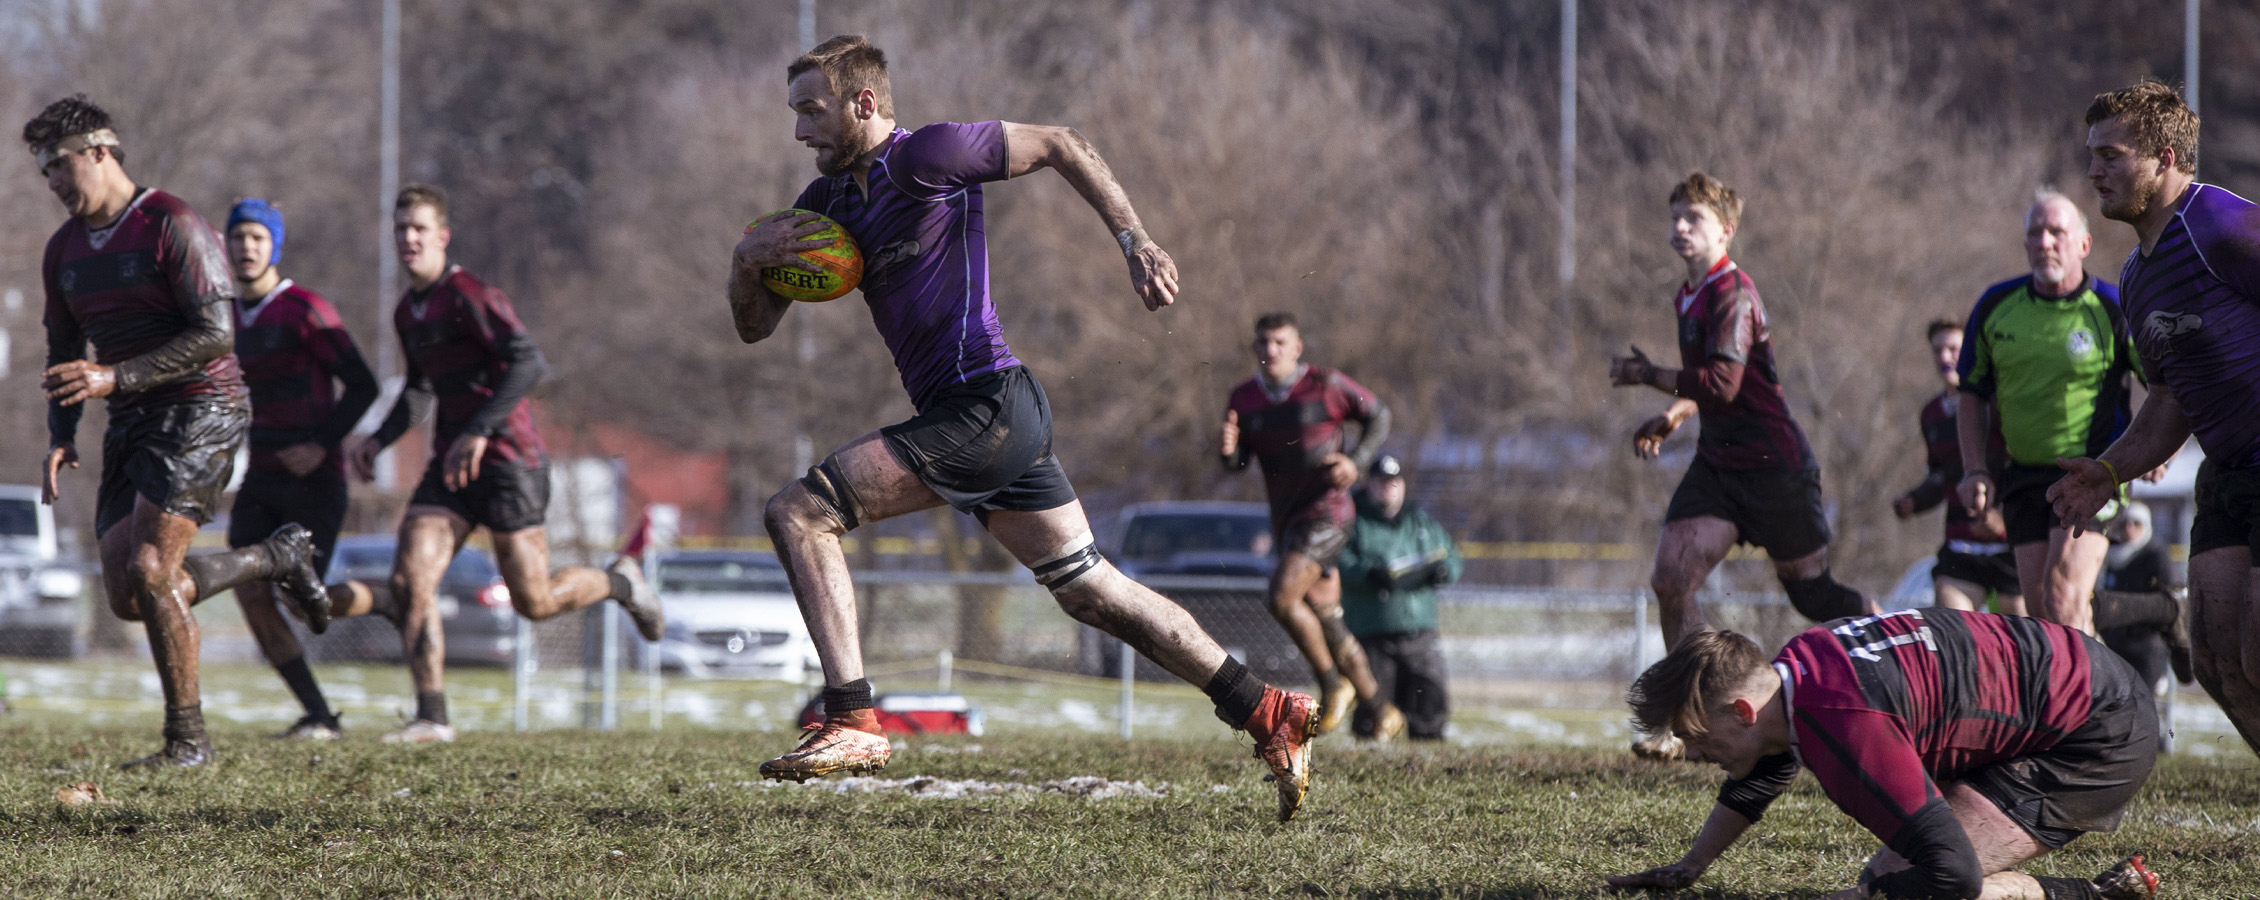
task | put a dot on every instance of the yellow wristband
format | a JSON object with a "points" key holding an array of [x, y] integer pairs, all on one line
{"points": [[2114, 470]]}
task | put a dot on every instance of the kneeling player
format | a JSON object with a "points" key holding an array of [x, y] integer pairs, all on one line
{"points": [[1969, 743]]}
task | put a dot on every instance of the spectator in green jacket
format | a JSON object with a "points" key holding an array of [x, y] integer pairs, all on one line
{"points": [[1396, 557]]}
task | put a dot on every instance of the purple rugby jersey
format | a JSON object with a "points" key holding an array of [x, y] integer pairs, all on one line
{"points": [[2194, 306], [926, 251]]}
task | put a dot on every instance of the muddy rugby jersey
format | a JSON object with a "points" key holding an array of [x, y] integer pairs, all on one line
{"points": [[1727, 368], [293, 348], [1290, 436], [458, 340], [926, 250]]}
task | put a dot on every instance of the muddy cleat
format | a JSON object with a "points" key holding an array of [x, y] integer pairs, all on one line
{"points": [[1334, 709], [850, 741], [2129, 880], [1389, 724], [422, 731], [1283, 726], [291, 548], [1662, 747], [641, 603], [310, 728], [179, 753]]}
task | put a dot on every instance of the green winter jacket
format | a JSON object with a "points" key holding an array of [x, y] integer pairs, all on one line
{"points": [[1391, 567]]}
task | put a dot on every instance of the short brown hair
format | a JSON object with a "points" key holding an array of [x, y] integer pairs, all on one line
{"points": [[1693, 681], [1273, 321], [1704, 189], [2155, 117], [69, 117], [416, 195], [1938, 325], [850, 66]]}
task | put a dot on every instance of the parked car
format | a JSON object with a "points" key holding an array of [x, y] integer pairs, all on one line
{"points": [[475, 616], [1195, 537], [1213, 558], [730, 613], [39, 591]]}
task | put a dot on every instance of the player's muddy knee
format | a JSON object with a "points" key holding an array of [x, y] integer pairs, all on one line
{"points": [[821, 500], [1069, 567]]}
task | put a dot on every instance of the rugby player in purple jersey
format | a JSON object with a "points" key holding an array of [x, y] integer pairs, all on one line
{"points": [[139, 275], [981, 440], [2191, 290], [469, 356], [294, 351], [1968, 743]]}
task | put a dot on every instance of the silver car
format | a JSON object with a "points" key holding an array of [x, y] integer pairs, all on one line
{"points": [[730, 613], [39, 592]]}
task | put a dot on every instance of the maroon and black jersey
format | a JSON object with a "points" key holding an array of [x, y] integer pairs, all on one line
{"points": [[1943, 470], [132, 288], [467, 350], [1883, 708], [1727, 368], [1291, 434], [294, 350]]}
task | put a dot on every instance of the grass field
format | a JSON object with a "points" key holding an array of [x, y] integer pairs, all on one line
{"points": [[682, 813]]}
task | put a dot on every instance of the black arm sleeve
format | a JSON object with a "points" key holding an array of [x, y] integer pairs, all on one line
{"points": [[1234, 462], [360, 392], [210, 335], [1376, 430], [525, 370], [65, 342], [1752, 793], [414, 402], [1942, 863]]}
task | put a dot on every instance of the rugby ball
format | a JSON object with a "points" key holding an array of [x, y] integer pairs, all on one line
{"points": [[839, 263]]}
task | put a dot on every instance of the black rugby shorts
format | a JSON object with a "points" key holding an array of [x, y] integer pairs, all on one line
{"points": [[985, 444], [506, 496], [180, 456], [1775, 509], [270, 500]]}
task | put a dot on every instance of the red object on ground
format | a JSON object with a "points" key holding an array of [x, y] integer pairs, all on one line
{"points": [[912, 713]]}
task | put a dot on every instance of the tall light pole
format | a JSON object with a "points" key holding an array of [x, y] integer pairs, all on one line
{"points": [[2189, 53], [388, 184], [1566, 260], [804, 447]]}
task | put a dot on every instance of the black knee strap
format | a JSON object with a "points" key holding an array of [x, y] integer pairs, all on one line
{"points": [[1820, 598], [1059, 573], [825, 484]]}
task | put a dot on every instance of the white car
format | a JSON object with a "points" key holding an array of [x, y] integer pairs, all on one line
{"points": [[730, 613], [39, 591]]}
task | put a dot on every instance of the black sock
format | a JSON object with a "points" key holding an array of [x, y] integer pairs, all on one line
{"points": [[848, 697], [216, 572], [184, 723], [622, 589], [431, 706], [2068, 888], [2122, 609], [301, 681], [1236, 692]]}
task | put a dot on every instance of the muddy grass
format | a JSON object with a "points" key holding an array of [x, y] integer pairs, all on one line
{"points": [[566, 814]]}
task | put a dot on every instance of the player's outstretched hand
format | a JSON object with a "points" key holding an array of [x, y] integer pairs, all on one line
{"points": [[779, 242], [78, 381], [361, 459], [1673, 877], [2086, 486], [1627, 371], [1228, 443], [1648, 440], [51, 486], [1341, 470], [1154, 274], [462, 465]]}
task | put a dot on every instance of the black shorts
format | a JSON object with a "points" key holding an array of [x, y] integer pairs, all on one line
{"points": [[1992, 571], [1317, 537], [985, 444], [2083, 783], [270, 500], [505, 497], [2228, 509], [1777, 509], [2025, 506], [180, 456]]}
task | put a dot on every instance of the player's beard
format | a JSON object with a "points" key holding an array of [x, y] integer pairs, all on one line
{"points": [[850, 146], [2133, 203]]}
